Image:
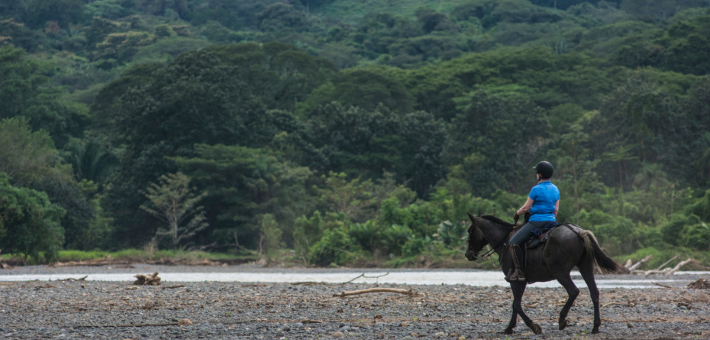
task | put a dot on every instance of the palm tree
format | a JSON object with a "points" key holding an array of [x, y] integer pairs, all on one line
{"points": [[620, 156], [89, 161]]}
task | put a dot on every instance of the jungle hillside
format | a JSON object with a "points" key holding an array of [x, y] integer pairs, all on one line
{"points": [[349, 133]]}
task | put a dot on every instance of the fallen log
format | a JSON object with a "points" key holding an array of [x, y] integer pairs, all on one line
{"points": [[662, 285], [666, 271], [699, 284], [312, 283], [637, 264], [73, 279], [409, 291], [174, 286], [147, 280]]}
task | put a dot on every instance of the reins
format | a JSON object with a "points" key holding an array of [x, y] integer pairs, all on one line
{"points": [[490, 252]]}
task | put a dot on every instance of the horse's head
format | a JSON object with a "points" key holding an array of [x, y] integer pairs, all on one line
{"points": [[476, 240]]}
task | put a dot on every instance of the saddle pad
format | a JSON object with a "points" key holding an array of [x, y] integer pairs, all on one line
{"points": [[535, 241]]}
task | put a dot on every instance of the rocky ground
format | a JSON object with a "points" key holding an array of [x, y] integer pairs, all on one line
{"points": [[81, 309]]}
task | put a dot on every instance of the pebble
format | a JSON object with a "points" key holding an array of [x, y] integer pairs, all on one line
{"points": [[60, 310]]}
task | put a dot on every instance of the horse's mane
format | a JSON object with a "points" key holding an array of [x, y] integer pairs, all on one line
{"points": [[497, 220]]}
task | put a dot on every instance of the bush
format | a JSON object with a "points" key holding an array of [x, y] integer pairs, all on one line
{"points": [[672, 231], [29, 223], [335, 247], [366, 234], [395, 237], [414, 246]]}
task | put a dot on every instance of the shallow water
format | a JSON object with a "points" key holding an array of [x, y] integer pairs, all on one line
{"points": [[478, 278]]}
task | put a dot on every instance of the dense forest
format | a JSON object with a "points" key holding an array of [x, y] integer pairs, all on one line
{"points": [[349, 132]]}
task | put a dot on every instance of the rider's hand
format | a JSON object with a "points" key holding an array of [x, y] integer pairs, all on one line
{"points": [[515, 218]]}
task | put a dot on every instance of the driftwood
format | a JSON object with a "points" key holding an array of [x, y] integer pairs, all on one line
{"points": [[637, 264], [45, 286], [147, 280], [312, 283], [73, 279], [409, 291], [666, 271], [662, 285], [659, 271], [174, 286], [699, 284]]}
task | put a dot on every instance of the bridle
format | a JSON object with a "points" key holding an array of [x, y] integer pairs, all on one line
{"points": [[490, 252]]}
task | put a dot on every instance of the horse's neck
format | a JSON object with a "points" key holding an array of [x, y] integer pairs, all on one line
{"points": [[496, 234]]}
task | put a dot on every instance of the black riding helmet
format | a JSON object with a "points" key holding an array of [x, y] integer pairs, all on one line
{"points": [[545, 169]]}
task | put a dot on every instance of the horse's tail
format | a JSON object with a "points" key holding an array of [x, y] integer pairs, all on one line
{"points": [[594, 252]]}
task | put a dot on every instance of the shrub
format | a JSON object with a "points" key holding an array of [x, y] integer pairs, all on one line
{"points": [[164, 31], [395, 237], [29, 223], [334, 247], [365, 234], [414, 246]]}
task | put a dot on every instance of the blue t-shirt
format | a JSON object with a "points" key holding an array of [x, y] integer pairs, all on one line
{"points": [[544, 195]]}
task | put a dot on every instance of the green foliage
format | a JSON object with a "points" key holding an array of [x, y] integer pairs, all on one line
{"points": [[265, 183], [374, 124], [271, 236], [30, 224], [64, 12], [174, 203], [334, 247], [25, 91], [25, 156]]}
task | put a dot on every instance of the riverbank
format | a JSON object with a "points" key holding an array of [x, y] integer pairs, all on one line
{"points": [[220, 310]]}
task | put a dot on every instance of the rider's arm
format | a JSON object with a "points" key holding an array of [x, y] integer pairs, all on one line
{"points": [[557, 207], [526, 207]]}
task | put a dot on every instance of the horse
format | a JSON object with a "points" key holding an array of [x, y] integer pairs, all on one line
{"points": [[567, 246]]}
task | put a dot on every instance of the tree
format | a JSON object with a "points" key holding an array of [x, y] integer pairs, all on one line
{"points": [[90, 161], [175, 204], [197, 98], [574, 164], [271, 238], [25, 91], [497, 139], [24, 155], [64, 12], [29, 223], [245, 184]]}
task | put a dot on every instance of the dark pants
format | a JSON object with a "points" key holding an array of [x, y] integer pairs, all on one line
{"points": [[526, 231]]}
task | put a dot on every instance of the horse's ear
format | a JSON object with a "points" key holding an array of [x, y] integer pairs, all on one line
{"points": [[479, 214], [473, 219]]}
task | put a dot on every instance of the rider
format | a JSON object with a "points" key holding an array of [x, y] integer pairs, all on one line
{"points": [[543, 204]]}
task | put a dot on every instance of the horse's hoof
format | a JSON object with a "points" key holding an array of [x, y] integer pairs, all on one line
{"points": [[508, 331], [536, 328], [563, 324], [595, 330]]}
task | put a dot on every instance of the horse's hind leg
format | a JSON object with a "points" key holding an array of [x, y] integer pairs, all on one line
{"points": [[566, 281], [587, 271], [518, 289]]}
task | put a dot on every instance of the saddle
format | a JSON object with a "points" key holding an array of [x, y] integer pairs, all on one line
{"points": [[539, 235]]}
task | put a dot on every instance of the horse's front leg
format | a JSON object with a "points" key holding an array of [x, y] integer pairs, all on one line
{"points": [[566, 281], [518, 289], [513, 321]]}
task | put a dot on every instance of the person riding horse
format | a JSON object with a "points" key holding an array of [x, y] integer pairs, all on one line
{"points": [[543, 204]]}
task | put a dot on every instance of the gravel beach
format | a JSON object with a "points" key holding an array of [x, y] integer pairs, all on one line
{"points": [[228, 310]]}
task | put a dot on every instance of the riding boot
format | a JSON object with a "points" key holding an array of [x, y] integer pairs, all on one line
{"points": [[517, 255]]}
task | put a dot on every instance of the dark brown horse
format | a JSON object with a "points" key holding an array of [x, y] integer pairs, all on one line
{"points": [[565, 248]]}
